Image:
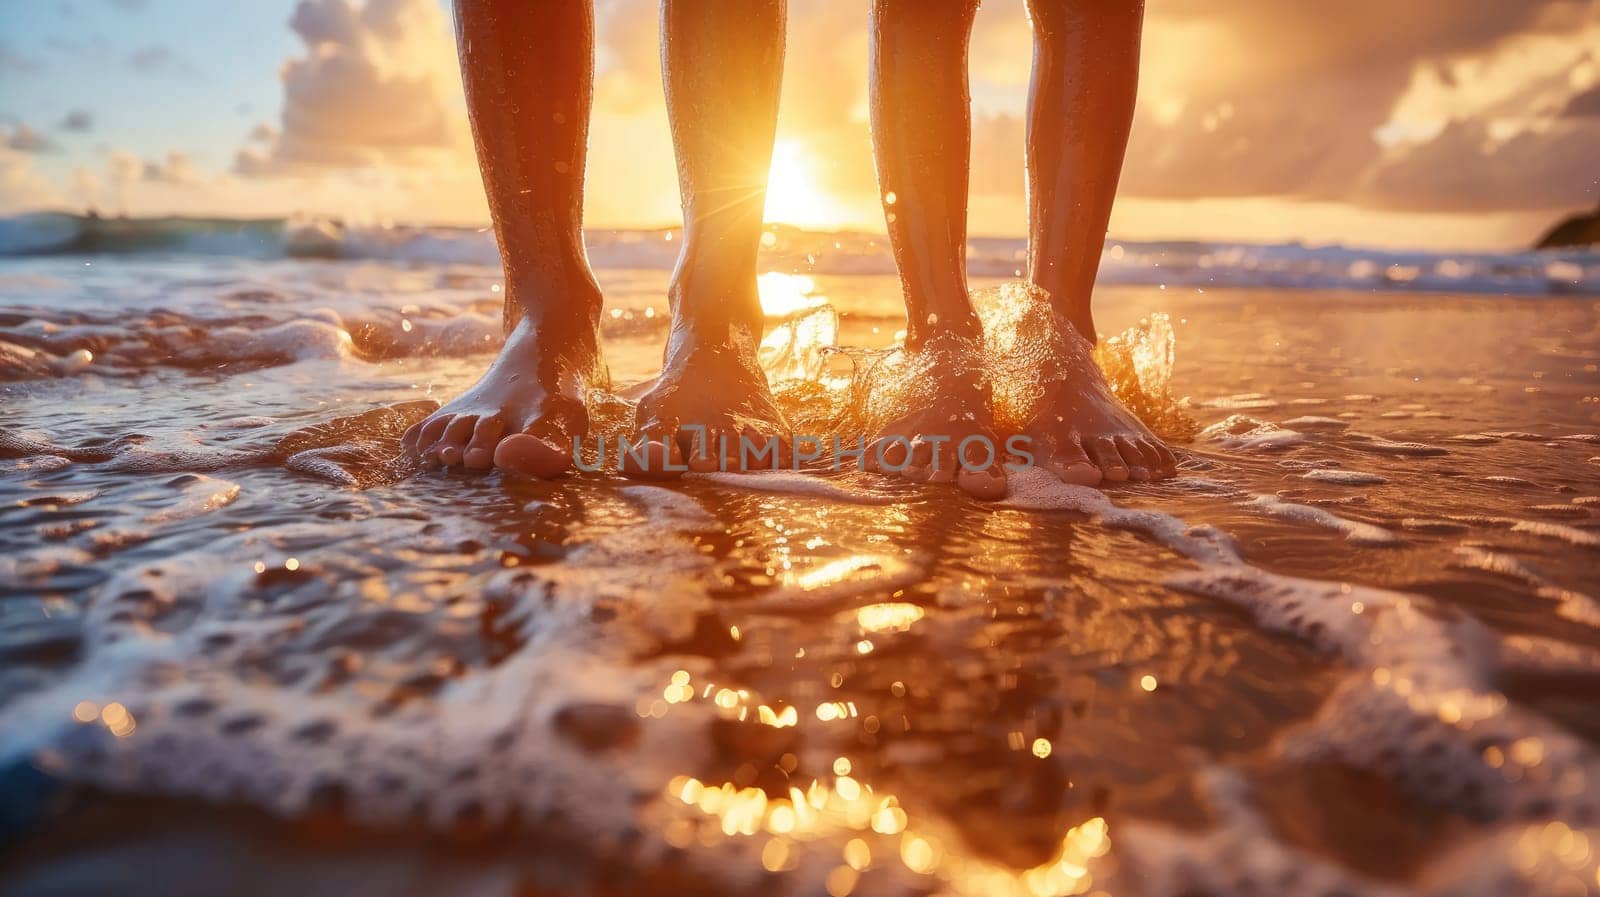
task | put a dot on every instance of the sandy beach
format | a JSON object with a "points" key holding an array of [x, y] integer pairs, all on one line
{"points": [[1352, 649]]}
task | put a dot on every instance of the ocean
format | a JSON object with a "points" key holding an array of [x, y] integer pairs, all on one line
{"points": [[1353, 649]]}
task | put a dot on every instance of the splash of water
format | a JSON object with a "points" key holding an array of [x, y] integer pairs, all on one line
{"points": [[1138, 364], [1024, 349]]}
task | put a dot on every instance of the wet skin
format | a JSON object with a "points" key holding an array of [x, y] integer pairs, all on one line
{"points": [[1077, 133], [925, 445], [1080, 109], [722, 75], [528, 73], [528, 70]]}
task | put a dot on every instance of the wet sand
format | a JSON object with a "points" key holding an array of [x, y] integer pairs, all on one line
{"points": [[1352, 650]]}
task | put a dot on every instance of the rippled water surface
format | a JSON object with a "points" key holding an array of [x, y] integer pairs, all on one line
{"points": [[1353, 649]]}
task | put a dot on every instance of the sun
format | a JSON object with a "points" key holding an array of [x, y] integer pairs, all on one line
{"points": [[792, 193]]}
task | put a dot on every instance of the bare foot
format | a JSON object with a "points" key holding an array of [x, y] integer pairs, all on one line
{"points": [[954, 424], [522, 414], [709, 395], [1083, 435]]}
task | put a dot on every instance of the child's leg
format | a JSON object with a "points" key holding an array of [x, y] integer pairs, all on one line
{"points": [[1085, 72], [921, 131], [528, 72], [723, 66], [1080, 107]]}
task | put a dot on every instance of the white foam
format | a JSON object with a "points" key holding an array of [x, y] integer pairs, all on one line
{"points": [[1421, 709], [1517, 482], [1544, 529], [1313, 422], [1353, 530], [1345, 477], [298, 340], [1390, 447], [1425, 525], [198, 495], [1245, 401], [1040, 490], [1240, 433], [493, 742]]}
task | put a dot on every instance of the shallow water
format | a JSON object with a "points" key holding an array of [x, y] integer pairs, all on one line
{"points": [[1352, 650]]}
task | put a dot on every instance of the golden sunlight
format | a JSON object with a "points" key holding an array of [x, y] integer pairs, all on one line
{"points": [[793, 196], [784, 294]]}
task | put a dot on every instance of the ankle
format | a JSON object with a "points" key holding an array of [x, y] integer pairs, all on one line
{"points": [[929, 329], [569, 334], [712, 305], [1071, 306], [569, 301]]}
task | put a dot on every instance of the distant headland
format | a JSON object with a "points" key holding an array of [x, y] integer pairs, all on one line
{"points": [[1582, 229]]}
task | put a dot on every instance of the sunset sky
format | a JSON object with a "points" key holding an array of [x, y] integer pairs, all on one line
{"points": [[1428, 123]]}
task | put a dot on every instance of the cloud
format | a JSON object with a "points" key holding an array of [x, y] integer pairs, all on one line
{"points": [[175, 169], [87, 186], [24, 139], [1584, 105], [77, 121], [376, 84], [1466, 169], [17, 62], [158, 60], [1305, 113], [21, 187], [1475, 106], [1239, 99]]}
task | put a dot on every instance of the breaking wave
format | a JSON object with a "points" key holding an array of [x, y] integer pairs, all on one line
{"points": [[1167, 263]]}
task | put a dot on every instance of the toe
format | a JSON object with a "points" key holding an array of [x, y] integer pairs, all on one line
{"points": [[429, 433], [454, 440], [763, 452], [662, 460], [1138, 468], [699, 449], [987, 484], [434, 441], [942, 467], [891, 454], [1103, 452], [726, 446], [876, 454], [919, 461], [408, 439], [1152, 459], [1169, 461], [479, 454], [531, 456], [1072, 465], [979, 454]]}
